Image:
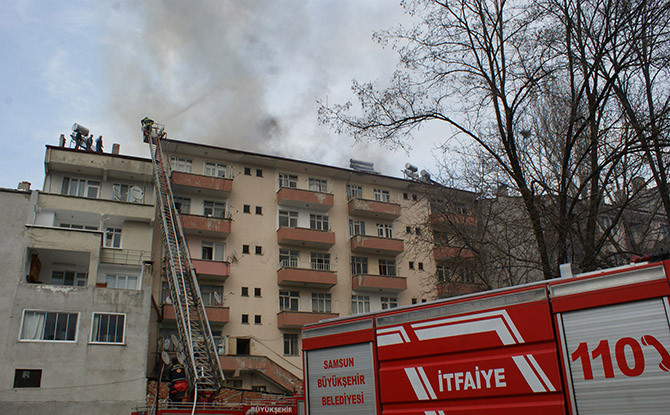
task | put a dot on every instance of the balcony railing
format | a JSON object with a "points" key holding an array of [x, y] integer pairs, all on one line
{"points": [[205, 225], [201, 184], [219, 269], [301, 198], [215, 314], [297, 319], [368, 244], [124, 256], [445, 253], [378, 283], [305, 237], [305, 277], [374, 209]]}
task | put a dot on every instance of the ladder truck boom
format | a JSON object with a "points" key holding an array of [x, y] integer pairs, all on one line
{"points": [[199, 355]]}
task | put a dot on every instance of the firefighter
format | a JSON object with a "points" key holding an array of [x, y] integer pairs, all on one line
{"points": [[178, 383], [147, 123]]}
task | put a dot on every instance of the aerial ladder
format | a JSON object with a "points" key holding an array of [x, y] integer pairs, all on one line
{"points": [[199, 354]]}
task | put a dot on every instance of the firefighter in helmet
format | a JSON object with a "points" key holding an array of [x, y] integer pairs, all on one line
{"points": [[178, 383]]}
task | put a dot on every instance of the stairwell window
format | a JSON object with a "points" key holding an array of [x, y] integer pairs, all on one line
{"points": [[108, 328], [73, 186], [213, 209], [288, 300], [387, 268], [181, 164], [288, 218], [113, 238], [288, 180], [360, 304], [382, 195], [384, 230], [49, 326], [318, 222], [215, 169], [321, 303], [290, 344], [318, 185], [124, 282]]}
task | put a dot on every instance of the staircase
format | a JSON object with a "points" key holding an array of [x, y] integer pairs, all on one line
{"points": [[198, 348]]}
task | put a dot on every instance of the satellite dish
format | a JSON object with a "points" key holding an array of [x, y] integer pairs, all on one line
{"points": [[136, 194], [165, 357], [175, 341], [181, 357]]}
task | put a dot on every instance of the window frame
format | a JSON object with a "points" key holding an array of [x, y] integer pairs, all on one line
{"points": [[218, 209], [321, 303], [359, 265], [82, 187], [385, 230], [289, 300], [289, 258], [318, 222], [181, 164], [318, 185], [360, 301], [77, 278], [182, 204], [389, 302], [319, 261], [382, 195], [291, 341], [290, 217], [356, 227], [111, 235], [126, 277], [387, 268], [288, 180], [214, 169], [44, 328], [93, 329], [354, 191]]}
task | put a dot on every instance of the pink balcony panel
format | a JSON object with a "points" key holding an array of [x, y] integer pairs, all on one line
{"points": [[301, 198], [215, 314], [197, 183], [305, 237], [378, 283], [367, 244], [204, 225], [374, 209], [297, 319], [208, 268], [302, 277]]}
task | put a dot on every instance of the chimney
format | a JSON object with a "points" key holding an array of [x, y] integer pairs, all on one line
{"points": [[116, 148], [61, 140], [24, 186]]}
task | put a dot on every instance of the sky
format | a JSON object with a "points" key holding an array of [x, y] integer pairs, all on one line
{"points": [[237, 74]]}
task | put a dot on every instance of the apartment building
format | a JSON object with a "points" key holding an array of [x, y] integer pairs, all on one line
{"points": [[76, 286], [279, 243]]}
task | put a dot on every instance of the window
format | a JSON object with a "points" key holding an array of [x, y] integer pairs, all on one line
{"points": [[389, 302], [321, 302], [246, 209], [49, 326], [414, 197], [319, 261], [443, 274], [417, 231], [247, 171], [356, 227], [387, 267], [71, 278], [80, 187], [108, 328], [245, 249], [318, 222], [382, 195], [257, 292], [259, 210], [360, 304], [257, 319], [359, 265], [113, 238], [245, 318], [288, 218], [405, 196], [77, 226], [215, 169], [318, 185], [125, 282], [408, 229], [212, 295], [181, 164], [288, 300], [259, 388], [291, 344], [213, 209], [288, 258], [414, 301], [288, 180], [420, 266], [182, 204], [467, 275], [385, 230], [411, 264], [259, 172], [460, 208], [245, 291], [259, 250], [165, 293], [354, 191], [27, 378], [127, 193], [213, 251]]}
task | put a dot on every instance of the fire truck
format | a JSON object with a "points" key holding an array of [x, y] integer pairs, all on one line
{"points": [[591, 343]]}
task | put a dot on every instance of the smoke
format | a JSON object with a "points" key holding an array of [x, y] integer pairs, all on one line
{"points": [[243, 74]]}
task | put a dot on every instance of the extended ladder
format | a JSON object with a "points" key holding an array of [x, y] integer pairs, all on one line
{"points": [[199, 351]]}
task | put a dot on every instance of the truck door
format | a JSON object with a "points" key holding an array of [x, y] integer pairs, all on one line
{"points": [[615, 337]]}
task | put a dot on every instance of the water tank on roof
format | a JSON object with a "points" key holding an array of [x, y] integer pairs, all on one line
{"points": [[80, 129]]}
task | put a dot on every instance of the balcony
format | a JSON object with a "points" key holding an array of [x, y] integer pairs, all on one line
{"points": [[189, 183], [261, 366], [130, 211], [318, 201], [215, 314], [452, 219], [311, 238], [367, 244], [445, 253], [374, 209], [117, 256], [205, 225], [297, 319], [303, 277], [206, 268], [378, 283], [450, 289], [89, 163]]}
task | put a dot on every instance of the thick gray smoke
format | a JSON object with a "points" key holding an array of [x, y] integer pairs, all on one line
{"points": [[245, 74]]}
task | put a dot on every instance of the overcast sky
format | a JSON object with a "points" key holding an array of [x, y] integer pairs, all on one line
{"points": [[238, 74]]}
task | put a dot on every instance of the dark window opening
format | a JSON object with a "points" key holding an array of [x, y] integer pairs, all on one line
{"points": [[257, 292], [245, 291], [259, 210], [243, 346], [27, 378], [245, 318], [259, 172], [247, 209], [257, 319], [259, 250], [245, 249], [247, 171]]}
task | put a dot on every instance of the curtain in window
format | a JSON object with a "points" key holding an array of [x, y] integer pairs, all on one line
{"points": [[33, 325]]}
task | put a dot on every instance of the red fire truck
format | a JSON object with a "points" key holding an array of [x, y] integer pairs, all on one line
{"points": [[593, 343]]}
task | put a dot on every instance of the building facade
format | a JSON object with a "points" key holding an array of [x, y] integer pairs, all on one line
{"points": [[76, 286], [279, 243]]}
